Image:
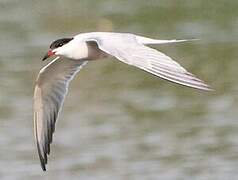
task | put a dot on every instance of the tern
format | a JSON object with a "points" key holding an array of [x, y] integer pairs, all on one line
{"points": [[73, 53]]}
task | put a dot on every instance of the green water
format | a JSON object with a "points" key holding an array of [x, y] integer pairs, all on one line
{"points": [[119, 122]]}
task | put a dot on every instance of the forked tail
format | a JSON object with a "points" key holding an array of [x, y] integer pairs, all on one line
{"points": [[145, 40]]}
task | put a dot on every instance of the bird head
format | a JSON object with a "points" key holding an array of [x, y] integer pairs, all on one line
{"points": [[55, 46]]}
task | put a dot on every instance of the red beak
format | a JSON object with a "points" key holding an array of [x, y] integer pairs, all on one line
{"points": [[48, 54]]}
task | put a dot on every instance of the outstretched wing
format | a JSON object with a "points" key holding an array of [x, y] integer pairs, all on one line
{"points": [[50, 90], [130, 49]]}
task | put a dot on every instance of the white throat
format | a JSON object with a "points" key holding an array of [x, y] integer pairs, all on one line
{"points": [[73, 50]]}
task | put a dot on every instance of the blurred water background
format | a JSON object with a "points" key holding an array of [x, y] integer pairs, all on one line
{"points": [[119, 122]]}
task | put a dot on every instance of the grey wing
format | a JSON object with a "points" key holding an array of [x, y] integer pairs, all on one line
{"points": [[50, 90], [128, 49]]}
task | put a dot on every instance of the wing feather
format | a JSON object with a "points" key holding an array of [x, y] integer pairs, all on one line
{"points": [[50, 90], [129, 49]]}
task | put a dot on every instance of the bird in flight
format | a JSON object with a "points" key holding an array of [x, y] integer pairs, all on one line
{"points": [[73, 53]]}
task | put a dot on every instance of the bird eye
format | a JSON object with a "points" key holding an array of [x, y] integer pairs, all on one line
{"points": [[60, 44]]}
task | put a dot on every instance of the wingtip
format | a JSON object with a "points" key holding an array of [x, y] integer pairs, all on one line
{"points": [[204, 87], [43, 167], [209, 89], [43, 161]]}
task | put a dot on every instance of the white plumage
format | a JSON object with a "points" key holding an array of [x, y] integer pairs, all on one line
{"points": [[53, 80]]}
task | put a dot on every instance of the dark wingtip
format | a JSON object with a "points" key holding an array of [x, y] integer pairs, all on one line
{"points": [[43, 160], [43, 167]]}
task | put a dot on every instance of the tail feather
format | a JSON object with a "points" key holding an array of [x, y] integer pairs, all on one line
{"points": [[145, 40]]}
